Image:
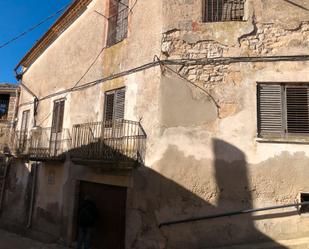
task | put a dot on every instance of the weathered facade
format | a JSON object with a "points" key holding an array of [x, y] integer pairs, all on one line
{"points": [[9, 94], [217, 89]]}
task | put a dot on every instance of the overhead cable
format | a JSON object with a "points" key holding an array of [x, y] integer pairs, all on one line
{"points": [[34, 27]]}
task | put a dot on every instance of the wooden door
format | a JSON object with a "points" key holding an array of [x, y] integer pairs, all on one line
{"points": [[109, 230]]}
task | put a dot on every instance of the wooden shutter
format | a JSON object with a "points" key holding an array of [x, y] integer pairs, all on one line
{"points": [[297, 107], [119, 104], [109, 106], [25, 120], [270, 113], [58, 113], [114, 104]]}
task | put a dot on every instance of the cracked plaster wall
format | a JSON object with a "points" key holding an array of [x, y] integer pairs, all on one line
{"points": [[194, 173]]}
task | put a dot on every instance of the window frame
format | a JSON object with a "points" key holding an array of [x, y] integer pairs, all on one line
{"points": [[284, 135], [4, 115], [109, 92], [113, 25], [55, 128], [204, 11]]}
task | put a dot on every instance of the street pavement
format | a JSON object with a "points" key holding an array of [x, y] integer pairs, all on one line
{"points": [[13, 241]]}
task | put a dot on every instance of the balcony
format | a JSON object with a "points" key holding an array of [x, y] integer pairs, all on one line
{"points": [[19, 143], [41, 144], [47, 144], [122, 142]]}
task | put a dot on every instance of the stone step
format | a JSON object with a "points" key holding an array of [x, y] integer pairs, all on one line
{"points": [[302, 243]]}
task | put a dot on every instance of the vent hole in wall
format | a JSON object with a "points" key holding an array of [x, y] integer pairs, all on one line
{"points": [[304, 197]]}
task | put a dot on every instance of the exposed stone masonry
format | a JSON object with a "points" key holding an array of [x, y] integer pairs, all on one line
{"points": [[266, 40], [270, 38]]}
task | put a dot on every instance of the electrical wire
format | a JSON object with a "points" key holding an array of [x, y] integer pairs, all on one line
{"points": [[189, 81], [87, 70], [185, 62], [34, 27]]}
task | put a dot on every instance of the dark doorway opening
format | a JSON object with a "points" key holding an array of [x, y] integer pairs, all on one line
{"points": [[110, 201]]}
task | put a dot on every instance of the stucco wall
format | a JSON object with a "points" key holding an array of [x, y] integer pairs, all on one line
{"points": [[207, 158], [203, 156]]}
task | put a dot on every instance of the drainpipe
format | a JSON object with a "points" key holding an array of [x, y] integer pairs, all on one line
{"points": [[33, 190]]}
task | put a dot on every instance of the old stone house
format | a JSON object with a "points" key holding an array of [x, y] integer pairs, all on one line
{"points": [[165, 111], [9, 94]]}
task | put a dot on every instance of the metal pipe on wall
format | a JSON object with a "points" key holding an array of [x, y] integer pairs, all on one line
{"points": [[33, 190]]}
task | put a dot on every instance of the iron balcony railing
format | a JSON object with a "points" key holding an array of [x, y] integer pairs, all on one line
{"points": [[40, 143], [48, 143], [118, 140], [19, 142]]}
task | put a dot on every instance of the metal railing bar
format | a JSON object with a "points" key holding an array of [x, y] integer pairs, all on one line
{"points": [[233, 213]]}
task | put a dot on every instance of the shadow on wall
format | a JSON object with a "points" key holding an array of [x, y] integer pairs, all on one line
{"points": [[159, 198]]}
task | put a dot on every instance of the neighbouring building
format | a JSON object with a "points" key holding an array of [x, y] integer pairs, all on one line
{"points": [[163, 111], [9, 94]]}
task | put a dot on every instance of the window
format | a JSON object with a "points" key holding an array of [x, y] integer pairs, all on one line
{"points": [[25, 120], [55, 141], [114, 105], [118, 21], [58, 113], [223, 10], [23, 136], [4, 106], [283, 110]]}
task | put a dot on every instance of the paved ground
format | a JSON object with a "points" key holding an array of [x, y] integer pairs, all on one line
{"points": [[13, 241]]}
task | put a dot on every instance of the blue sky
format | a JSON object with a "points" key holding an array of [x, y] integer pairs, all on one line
{"points": [[17, 16]]}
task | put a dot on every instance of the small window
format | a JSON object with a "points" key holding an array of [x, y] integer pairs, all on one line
{"points": [[4, 106], [223, 10], [118, 21], [283, 110], [114, 105]]}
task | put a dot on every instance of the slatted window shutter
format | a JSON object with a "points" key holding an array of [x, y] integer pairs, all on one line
{"points": [[297, 107], [25, 120], [119, 104], [60, 116], [58, 113], [109, 106], [114, 105], [283, 110], [270, 110]]}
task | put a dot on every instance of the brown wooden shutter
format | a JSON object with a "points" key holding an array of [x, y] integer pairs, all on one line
{"points": [[119, 104], [270, 113], [58, 113], [114, 104], [297, 106], [109, 106], [25, 120]]}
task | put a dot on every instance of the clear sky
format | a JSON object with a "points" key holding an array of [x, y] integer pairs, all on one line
{"points": [[17, 16]]}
